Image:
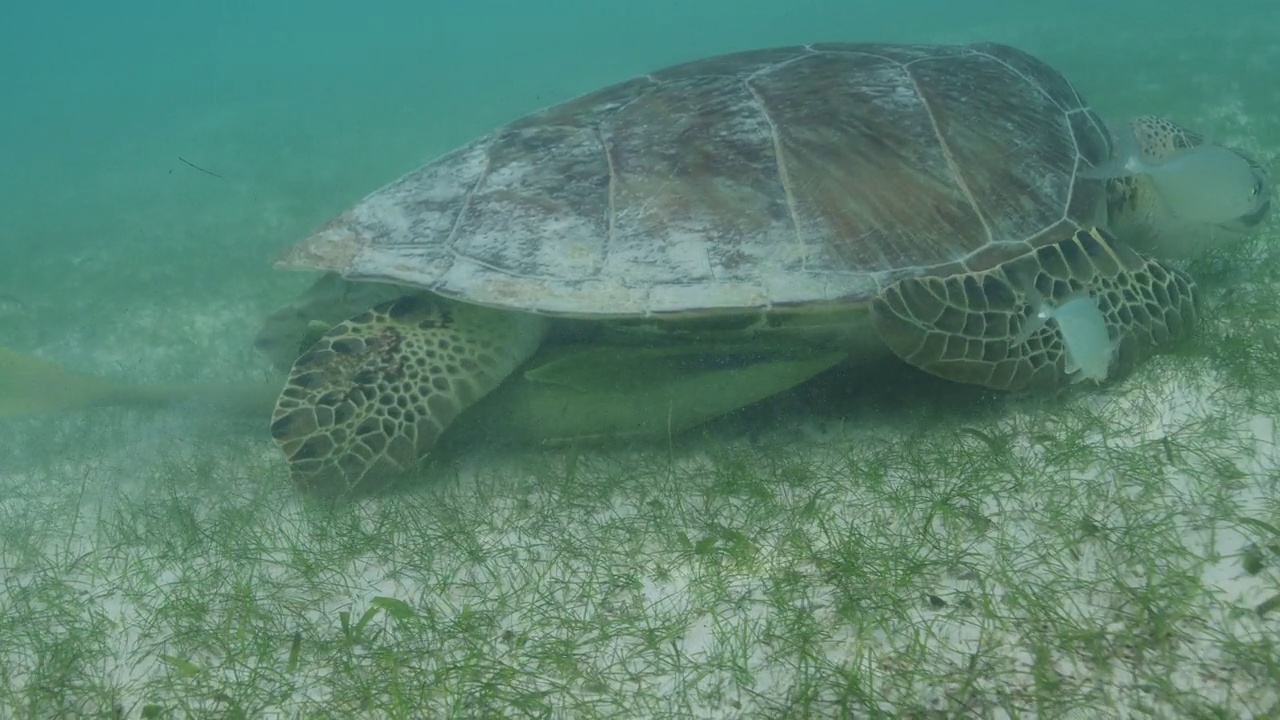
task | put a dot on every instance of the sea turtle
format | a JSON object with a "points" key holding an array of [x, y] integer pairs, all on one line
{"points": [[753, 218], [654, 254]]}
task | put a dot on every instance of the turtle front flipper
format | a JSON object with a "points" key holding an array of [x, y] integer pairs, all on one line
{"points": [[996, 327], [369, 400]]}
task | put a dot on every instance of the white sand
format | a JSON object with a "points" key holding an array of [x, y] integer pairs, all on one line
{"points": [[591, 565]]}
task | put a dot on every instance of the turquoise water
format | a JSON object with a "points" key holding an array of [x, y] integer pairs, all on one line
{"points": [[154, 158], [302, 111]]}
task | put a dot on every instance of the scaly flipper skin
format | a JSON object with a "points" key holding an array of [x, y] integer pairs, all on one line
{"points": [[964, 327], [367, 403]]}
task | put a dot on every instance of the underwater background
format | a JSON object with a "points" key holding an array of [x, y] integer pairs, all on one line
{"points": [[1089, 557]]}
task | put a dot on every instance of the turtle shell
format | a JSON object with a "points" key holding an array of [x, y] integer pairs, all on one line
{"points": [[795, 176]]}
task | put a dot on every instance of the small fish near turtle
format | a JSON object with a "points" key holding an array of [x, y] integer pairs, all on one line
{"points": [[647, 257]]}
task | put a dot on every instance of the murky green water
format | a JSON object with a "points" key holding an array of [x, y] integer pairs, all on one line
{"points": [[1098, 553]]}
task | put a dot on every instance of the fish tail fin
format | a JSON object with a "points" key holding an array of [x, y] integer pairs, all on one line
{"points": [[1126, 158], [30, 386], [1113, 168]]}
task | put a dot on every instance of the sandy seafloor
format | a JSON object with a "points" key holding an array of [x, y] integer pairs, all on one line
{"points": [[166, 556]]}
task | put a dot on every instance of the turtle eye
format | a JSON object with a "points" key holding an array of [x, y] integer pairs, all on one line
{"points": [[1257, 188]]}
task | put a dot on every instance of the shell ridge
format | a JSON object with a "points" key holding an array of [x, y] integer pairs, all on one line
{"points": [[465, 205], [612, 190], [950, 156], [780, 158]]}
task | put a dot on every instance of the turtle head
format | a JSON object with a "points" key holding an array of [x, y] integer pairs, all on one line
{"points": [[291, 330], [1174, 193]]}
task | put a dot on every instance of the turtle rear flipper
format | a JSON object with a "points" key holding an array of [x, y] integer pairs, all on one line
{"points": [[969, 327]]}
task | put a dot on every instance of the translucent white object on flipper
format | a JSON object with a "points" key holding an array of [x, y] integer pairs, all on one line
{"points": [[1207, 183], [1089, 347]]}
